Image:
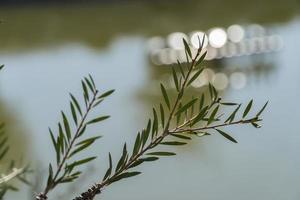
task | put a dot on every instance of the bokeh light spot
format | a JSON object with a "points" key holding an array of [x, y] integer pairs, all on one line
{"points": [[217, 37], [238, 80]]}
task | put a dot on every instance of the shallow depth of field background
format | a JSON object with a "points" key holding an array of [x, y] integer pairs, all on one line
{"points": [[48, 47]]}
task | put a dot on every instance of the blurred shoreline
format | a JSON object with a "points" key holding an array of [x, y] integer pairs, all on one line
{"points": [[97, 23]]}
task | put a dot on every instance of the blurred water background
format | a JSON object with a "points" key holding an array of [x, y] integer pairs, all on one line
{"points": [[48, 48]]}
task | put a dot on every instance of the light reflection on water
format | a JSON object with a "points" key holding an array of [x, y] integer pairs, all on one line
{"points": [[264, 165], [219, 43]]}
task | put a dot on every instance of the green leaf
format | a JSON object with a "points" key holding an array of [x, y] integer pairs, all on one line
{"points": [[1, 67], [161, 153], [135, 163], [146, 133], [69, 178], [149, 159], [52, 138], [98, 119], [175, 143], [162, 115], [201, 42], [232, 116], [137, 144], [92, 139], [125, 175], [178, 117], [85, 91], [214, 120], [180, 94], [23, 179], [187, 57], [50, 176], [228, 104], [200, 116], [165, 95], [83, 145], [97, 103], [255, 125], [201, 103], [192, 109], [76, 104], [106, 94], [148, 126], [92, 80], [175, 79], [262, 109], [196, 75], [212, 115], [62, 139], [155, 124], [76, 174], [140, 161], [55, 146], [227, 136], [82, 131], [109, 170], [247, 108], [187, 48], [90, 85], [67, 126], [3, 153], [73, 112], [213, 92], [200, 60], [181, 136], [181, 69], [122, 160], [186, 106], [81, 162]]}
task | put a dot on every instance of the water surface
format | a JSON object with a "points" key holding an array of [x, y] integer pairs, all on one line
{"points": [[40, 72]]}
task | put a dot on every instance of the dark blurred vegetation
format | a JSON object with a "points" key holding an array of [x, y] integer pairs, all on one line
{"points": [[95, 23], [15, 132]]}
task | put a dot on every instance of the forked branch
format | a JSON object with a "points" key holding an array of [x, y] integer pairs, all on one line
{"points": [[159, 129]]}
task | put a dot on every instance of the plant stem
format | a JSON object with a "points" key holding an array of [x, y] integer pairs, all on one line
{"points": [[213, 127], [96, 189], [54, 182], [15, 172]]}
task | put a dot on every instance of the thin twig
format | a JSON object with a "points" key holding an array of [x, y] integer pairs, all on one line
{"points": [[213, 127], [97, 188], [15, 172], [43, 195]]}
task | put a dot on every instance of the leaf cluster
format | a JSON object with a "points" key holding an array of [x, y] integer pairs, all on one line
{"points": [[176, 121], [71, 139]]}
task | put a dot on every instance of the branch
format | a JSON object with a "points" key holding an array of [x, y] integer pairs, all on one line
{"points": [[247, 121], [66, 145], [96, 189], [78, 129], [15, 172], [142, 144]]}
